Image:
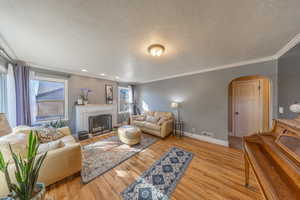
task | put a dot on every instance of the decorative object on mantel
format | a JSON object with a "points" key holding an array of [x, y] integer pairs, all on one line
{"points": [[160, 180], [85, 95], [109, 94], [101, 156], [26, 172], [176, 105], [4, 125]]}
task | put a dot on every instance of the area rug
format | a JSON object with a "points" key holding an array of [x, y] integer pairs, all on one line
{"points": [[101, 156], [159, 181]]}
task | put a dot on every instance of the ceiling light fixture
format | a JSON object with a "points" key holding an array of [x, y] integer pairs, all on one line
{"points": [[117, 77], [156, 49], [102, 74], [84, 70]]}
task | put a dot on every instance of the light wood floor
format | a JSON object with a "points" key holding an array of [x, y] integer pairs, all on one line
{"points": [[215, 172]]}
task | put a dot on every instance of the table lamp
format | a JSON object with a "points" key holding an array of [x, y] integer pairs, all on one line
{"points": [[4, 125]]}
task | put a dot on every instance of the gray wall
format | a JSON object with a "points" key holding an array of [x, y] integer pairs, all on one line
{"points": [[289, 81], [204, 96]]}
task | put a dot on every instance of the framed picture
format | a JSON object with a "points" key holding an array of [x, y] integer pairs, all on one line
{"points": [[109, 91]]}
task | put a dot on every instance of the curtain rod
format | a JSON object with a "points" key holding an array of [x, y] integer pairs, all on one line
{"points": [[6, 56]]}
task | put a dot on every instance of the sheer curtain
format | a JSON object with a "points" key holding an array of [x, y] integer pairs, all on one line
{"points": [[11, 96], [3, 93], [130, 99], [33, 91]]}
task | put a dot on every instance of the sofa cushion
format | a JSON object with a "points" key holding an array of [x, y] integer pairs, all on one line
{"points": [[140, 118], [162, 120], [17, 142], [152, 126], [152, 119], [43, 148], [68, 140], [138, 123]]}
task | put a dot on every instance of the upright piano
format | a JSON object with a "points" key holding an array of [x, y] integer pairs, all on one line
{"points": [[274, 157]]}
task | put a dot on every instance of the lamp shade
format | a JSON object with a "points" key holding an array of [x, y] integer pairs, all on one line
{"points": [[295, 108], [174, 105], [4, 125]]}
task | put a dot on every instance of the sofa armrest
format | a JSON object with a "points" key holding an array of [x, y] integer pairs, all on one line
{"points": [[65, 130], [166, 128], [61, 163]]}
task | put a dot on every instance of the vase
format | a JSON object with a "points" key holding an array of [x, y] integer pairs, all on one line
{"points": [[39, 193], [41, 190]]}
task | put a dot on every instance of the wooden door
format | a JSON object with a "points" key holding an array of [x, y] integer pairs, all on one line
{"points": [[247, 107]]}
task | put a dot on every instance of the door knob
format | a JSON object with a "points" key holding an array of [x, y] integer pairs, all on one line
{"points": [[236, 113]]}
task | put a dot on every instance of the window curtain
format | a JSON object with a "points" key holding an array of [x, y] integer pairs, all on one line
{"points": [[21, 73], [130, 99], [11, 96]]}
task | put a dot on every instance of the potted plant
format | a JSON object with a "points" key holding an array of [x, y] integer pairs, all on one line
{"points": [[26, 172], [85, 95]]}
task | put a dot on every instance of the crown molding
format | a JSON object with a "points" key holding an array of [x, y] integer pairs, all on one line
{"points": [[238, 64], [292, 43], [86, 74]]}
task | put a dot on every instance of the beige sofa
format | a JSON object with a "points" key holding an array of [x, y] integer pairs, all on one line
{"points": [[60, 162], [155, 128]]}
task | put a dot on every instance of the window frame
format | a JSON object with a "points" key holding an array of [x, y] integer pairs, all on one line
{"points": [[119, 107], [66, 94]]}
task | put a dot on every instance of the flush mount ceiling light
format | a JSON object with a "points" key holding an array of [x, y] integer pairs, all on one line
{"points": [[84, 70], [156, 49]]}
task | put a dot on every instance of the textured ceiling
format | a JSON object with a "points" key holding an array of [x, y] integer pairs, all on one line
{"points": [[112, 36]]}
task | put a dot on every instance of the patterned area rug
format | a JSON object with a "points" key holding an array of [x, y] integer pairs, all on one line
{"points": [[104, 155], [158, 182]]}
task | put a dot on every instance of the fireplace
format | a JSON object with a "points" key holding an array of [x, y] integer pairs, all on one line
{"points": [[100, 124]]}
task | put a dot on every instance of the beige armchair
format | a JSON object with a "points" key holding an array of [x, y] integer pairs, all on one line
{"points": [[59, 163], [159, 128]]}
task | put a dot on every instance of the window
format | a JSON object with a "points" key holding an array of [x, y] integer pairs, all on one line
{"points": [[125, 99], [48, 99]]}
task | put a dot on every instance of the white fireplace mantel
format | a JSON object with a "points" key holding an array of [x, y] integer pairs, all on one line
{"points": [[85, 111]]}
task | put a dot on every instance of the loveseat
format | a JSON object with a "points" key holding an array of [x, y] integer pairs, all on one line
{"points": [[63, 158], [155, 123]]}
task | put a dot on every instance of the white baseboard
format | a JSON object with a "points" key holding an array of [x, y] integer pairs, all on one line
{"points": [[207, 139]]}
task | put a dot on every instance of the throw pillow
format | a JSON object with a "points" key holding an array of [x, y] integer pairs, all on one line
{"points": [[162, 120], [43, 148], [140, 118], [48, 134], [152, 119]]}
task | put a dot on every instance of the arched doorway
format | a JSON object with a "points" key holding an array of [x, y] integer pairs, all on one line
{"points": [[249, 107]]}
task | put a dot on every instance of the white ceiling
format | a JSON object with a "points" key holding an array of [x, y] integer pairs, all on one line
{"points": [[112, 36]]}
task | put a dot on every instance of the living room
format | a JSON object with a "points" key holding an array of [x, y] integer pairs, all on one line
{"points": [[149, 100]]}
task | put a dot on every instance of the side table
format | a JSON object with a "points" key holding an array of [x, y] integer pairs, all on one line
{"points": [[178, 128]]}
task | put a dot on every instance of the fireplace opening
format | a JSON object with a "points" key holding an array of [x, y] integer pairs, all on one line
{"points": [[100, 124]]}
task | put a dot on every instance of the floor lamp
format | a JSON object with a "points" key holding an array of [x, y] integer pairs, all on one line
{"points": [[175, 105]]}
